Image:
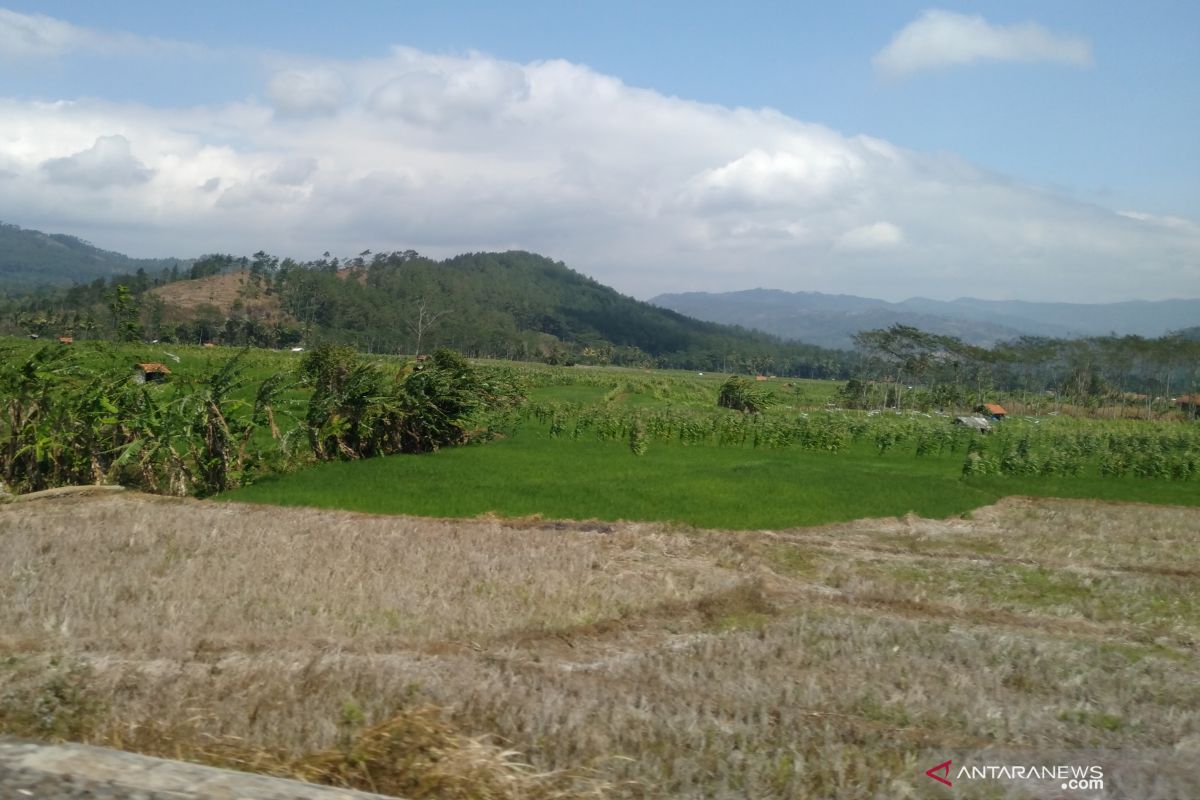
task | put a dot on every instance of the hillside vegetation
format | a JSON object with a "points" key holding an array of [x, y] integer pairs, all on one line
{"points": [[30, 258], [508, 305]]}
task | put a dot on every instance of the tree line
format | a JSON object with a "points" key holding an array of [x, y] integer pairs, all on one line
{"points": [[903, 366]]}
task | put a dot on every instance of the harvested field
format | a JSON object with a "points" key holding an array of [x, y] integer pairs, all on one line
{"points": [[637, 660]]}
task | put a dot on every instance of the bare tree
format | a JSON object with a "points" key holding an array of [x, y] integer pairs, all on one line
{"points": [[422, 320]]}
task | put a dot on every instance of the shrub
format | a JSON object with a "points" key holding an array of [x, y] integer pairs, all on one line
{"points": [[740, 394], [358, 410]]}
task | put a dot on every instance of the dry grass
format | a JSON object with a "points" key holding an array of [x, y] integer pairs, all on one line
{"points": [[223, 292], [618, 660]]}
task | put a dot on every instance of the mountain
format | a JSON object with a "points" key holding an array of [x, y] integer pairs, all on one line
{"points": [[515, 304], [510, 305], [30, 258], [832, 320], [1139, 317]]}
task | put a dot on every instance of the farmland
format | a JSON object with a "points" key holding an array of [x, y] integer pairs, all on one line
{"points": [[628, 592], [620, 660], [617, 443]]}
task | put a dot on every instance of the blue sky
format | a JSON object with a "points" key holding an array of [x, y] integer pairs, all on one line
{"points": [[1072, 125]]}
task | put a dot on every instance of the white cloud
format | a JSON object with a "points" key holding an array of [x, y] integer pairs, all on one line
{"points": [[649, 193], [25, 37], [108, 162], [294, 171], [938, 39], [469, 91], [1165, 221], [806, 173], [870, 238], [307, 92]]}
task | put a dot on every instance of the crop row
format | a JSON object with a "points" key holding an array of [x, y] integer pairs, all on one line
{"points": [[1164, 452]]}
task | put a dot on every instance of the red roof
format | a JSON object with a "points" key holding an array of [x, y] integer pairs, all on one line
{"points": [[992, 408], [152, 366]]}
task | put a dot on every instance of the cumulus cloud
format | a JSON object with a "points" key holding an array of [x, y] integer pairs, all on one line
{"points": [[25, 37], [445, 154], [307, 92], [476, 90], [939, 39], [868, 238], [804, 174], [294, 171], [109, 162]]}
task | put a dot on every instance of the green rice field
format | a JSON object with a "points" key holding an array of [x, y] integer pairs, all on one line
{"points": [[532, 473]]}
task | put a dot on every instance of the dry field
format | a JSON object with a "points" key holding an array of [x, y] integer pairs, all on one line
{"points": [[223, 292], [409, 655]]}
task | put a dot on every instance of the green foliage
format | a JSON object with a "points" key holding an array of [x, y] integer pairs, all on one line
{"points": [[360, 409], [69, 421], [124, 309], [637, 439], [30, 258], [513, 305], [711, 483], [741, 394]]}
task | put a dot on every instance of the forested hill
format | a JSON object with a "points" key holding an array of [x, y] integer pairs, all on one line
{"points": [[522, 305], [508, 305], [30, 258]]}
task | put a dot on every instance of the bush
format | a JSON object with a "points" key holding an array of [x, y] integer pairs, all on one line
{"points": [[740, 394], [358, 409]]}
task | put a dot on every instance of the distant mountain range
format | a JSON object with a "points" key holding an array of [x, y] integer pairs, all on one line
{"points": [[831, 320], [542, 296], [30, 258]]}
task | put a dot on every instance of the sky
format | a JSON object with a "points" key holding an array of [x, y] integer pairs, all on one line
{"points": [[1004, 150]]}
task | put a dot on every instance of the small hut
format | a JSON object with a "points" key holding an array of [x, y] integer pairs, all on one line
{"points": [[66, 340], [992, 410], [150, 372], [974, 423]]}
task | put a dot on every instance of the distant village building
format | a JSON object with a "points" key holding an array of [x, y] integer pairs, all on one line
{"points": [[150, 372], [1188, 402], [992, 410], [66, 340], [974, 423]]}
